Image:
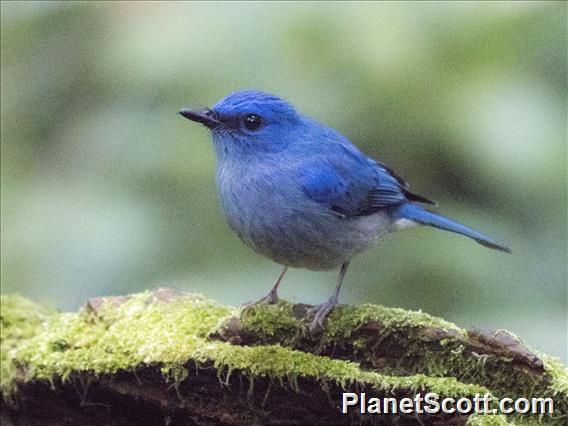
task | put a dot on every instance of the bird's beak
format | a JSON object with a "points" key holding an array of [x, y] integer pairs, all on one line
{"points": [[204, 116]]}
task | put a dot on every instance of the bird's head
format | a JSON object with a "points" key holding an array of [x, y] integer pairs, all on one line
{"points": [[248, 122]]}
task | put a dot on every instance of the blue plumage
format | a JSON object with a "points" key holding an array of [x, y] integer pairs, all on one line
{"points": [[301, 193], [418, 214]]}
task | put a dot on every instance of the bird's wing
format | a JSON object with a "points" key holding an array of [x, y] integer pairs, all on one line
{"points": [[353, 185]]}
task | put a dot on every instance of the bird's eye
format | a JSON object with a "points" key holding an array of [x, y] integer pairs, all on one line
{"points": [[252, 121]]}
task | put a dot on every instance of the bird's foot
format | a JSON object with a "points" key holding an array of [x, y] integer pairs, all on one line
{"points": [[320, 313], [270, 299]]}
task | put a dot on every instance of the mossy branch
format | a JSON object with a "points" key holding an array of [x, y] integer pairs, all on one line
{"points": [[170, 357]]}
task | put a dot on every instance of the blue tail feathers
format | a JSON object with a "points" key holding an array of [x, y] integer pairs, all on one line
{"points": [[422, 216]]}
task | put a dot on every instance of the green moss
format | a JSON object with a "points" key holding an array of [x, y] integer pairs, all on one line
{"points": [[558, 373], [417, 337], [136, 332], [172, 334], [488, 420], [20, 319], [344, 320], [269, 321], [502, 420], [285, 364], [144, 331]]}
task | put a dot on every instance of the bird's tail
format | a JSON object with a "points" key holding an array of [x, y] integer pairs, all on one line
{"points": [[415, 213]]}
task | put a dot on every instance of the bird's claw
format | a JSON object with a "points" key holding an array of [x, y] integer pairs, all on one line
{"points": [[270, 299], [320, 313]]}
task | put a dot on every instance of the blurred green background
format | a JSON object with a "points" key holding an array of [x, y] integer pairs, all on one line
{"points": [[106, 190]]}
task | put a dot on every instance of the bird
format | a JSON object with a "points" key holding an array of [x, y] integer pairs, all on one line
{"points": [[302, 194]]}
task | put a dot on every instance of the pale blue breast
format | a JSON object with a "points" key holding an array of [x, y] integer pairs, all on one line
{"points": [[268, 210]]}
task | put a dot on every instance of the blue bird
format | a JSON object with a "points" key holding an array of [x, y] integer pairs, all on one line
{"points": [[302, 194]]}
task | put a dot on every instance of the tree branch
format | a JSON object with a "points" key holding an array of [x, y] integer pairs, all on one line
{"points": [[171, 357]]}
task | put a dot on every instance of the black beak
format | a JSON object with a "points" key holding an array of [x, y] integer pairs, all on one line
{"points": [[203, 116]]}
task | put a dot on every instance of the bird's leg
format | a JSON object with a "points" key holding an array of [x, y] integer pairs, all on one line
{"points": [[321, 311], [272, 296]]}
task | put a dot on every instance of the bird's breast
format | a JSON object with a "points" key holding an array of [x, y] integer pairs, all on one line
{"points": [[267, 208], [257, 199]]}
